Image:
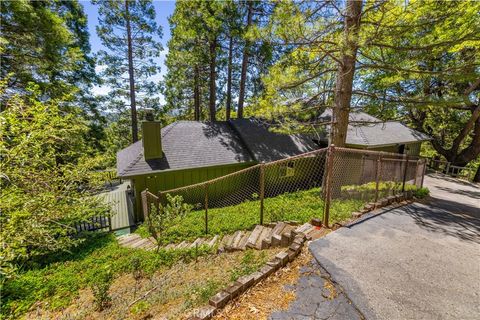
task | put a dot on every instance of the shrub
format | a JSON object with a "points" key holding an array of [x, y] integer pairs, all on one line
{"points": [[159, 219], [421, 192], [44, 182], [100, 283]]}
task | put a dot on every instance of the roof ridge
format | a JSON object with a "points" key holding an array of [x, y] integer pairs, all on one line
{"points": [[169, 128], [237, 133], [363, 136]]}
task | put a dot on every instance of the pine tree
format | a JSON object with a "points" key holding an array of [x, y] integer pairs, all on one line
{"points": [[129, 32], [193, 58], [47, 43]]}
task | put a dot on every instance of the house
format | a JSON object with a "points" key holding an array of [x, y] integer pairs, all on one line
{"points": [[189, 152], [368, 132]]}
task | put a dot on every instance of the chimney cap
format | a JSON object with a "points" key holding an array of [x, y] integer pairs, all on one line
{"points": [[149, 114]]}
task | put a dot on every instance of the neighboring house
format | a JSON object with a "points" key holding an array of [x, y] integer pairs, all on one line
{"points": [[189, 152], [368, 132]]}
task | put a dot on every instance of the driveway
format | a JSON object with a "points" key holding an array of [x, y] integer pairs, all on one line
{"points": [[419, 261]]}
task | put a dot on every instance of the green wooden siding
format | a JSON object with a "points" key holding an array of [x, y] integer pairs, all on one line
{"points": [[179, 178], [412, 149]]}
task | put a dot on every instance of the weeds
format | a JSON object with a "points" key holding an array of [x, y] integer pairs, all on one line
{"points": [[251, 262], [100, 283]]}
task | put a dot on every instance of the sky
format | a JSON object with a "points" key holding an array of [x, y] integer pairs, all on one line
{"points": [[163, 10]]}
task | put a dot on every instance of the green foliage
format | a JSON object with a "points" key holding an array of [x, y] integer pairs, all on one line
{"points": [[146, 48], [251, 262], [139, 307], [45, 186], [45, 42], [202, 292], [162, 218], [189, 58], [100, 282], [421, 192], [57, 278], [300, 206]]}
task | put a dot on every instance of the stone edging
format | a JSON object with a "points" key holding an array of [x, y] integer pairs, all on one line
{"points": [[399, 198], [234, 290]]}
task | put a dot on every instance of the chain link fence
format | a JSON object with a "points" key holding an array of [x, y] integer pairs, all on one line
{"points": [[327, 183]]}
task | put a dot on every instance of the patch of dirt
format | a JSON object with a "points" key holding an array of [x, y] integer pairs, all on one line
{"points": [[167, 294], [272, 294]]}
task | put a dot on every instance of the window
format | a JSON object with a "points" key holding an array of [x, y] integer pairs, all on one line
{"points": [[287, 170]]}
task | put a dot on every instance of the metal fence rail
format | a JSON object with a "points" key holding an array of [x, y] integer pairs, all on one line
{"points": [[316, 182]]}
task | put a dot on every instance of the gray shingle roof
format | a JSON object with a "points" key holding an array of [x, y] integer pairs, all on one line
{"points": [[381, 134], [269, 146], [186, 144], [366, 130]]}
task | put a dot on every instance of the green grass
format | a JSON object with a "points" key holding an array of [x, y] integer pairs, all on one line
{"points": [[59, 278], [300, 206]]}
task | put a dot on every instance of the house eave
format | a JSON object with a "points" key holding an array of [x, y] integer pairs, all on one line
{"points": [[363, 146], [155, 172]]}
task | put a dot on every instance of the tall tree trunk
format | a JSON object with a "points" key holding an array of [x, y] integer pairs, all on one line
{"points": [[243, 75], [229, 79], [346, 72], [213, 88], [133, 106], [196, 94]]}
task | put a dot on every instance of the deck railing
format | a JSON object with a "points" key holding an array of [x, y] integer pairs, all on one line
{"points": [[448, 168]]}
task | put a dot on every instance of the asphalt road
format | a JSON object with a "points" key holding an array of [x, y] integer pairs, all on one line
{"points": [[420, 261]]}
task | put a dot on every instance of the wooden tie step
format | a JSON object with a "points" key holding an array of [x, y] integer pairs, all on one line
{"points": [[261, 237]]}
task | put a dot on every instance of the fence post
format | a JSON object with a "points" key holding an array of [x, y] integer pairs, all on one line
{"points": [[377, 176], [206, 208], [328, 185], [447, 168], [405, 173], [262, 190], [144, 203], [416, 173], [423, 173]]}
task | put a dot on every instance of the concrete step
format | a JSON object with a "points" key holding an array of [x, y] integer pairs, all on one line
{"points": [[268, 238], [170, 246], [279, 228], [287, 235], [243, 242], [252, 240], [309, 231], [195, 243], [261, 242], [304, 227], [126, 240], [213, 241], [236, 240], [226, 241], [182, 245]]}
